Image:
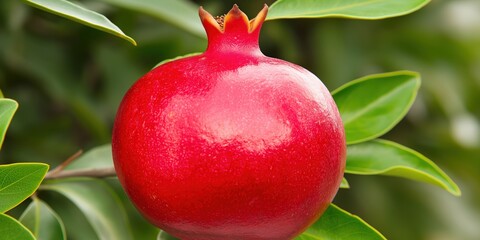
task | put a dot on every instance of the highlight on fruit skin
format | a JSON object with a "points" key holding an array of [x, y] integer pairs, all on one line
{"points": [[230, 143]]}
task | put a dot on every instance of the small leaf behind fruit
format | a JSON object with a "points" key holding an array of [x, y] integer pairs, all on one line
{"points": [[42, 221], [8, 107], [12, 229], [389, 158], [338, 224], [162, 235], [180, 13], [357, 9], [176, 58], [372, 105], [100, 205], [344, 184], [81, 15], [18, 181]]}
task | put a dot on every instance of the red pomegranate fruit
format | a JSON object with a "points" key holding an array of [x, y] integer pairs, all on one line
{"points": [[229, 144]]}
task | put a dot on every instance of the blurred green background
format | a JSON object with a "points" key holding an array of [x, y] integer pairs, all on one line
{"points": [[69, 80]]}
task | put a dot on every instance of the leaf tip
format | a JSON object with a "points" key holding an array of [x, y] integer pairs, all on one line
{"points": [[455, 190], [131, 40]]}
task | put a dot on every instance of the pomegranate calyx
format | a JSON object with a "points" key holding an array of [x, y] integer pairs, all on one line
{"points": [[233, 28], [235, 17]]}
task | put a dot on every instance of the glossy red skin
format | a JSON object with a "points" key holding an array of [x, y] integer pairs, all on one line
{"points": [[229, 145]]}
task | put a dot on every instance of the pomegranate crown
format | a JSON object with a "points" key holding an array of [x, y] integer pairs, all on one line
{"points": [[232, 29]]}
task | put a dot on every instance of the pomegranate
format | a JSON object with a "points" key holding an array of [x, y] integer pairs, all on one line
{"points": [[229, 144]]}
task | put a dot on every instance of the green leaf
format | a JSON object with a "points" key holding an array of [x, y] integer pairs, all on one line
{"points": [[180, 13], [358, 9], [76, 224], [42, 221], [338, 224], [80, 14], [372, 105], [8, 107], [12, 229], [98, 157], [19, 181], [176, 58], [344, 184], [100, 205], [392, 159], [162, 235]]}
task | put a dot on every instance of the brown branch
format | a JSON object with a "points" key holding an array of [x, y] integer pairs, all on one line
{"points": [[94, 172], [60, 172], [64, 164]]}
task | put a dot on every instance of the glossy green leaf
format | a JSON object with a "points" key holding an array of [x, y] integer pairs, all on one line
{"points": [[392, 159], [358, 9], [76, 224], [80, 14], [372, 105], [8, 107], [338, 224], [100, 205], [98, 157], [43, 222], [180, 13], [11, 229], [344, 184], [162, 235], [19, 181]]}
